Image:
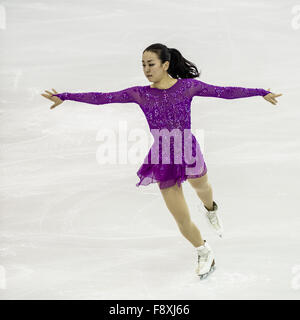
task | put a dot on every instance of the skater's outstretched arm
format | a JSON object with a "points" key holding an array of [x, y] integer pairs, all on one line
{"points": [[200, 88], [123, 96]]}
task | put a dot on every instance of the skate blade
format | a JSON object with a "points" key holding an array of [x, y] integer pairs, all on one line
{"points": [[205, 275], [218, 233]]}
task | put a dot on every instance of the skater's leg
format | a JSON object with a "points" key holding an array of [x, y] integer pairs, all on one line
{"points": [[203, 190], [175, 201]]}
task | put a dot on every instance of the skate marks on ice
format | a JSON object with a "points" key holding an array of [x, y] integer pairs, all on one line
{"points": [[232, 280]]}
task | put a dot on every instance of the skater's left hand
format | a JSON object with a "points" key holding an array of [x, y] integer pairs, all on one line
{"points": [[271, 97]]}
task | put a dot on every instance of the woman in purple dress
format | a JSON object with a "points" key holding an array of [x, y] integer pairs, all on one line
{"points": [[166, 104]]}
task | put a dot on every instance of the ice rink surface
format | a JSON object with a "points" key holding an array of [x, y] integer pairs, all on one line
{"points": [[72, 228]]}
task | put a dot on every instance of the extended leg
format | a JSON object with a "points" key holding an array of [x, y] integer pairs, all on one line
{"points": [[177, 205]]}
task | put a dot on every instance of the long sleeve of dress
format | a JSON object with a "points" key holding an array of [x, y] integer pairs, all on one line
{"points": [[200, 88], [128, 95]]}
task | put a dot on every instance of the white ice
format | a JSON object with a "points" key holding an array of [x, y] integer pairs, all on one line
{"points": [[71, 228]]}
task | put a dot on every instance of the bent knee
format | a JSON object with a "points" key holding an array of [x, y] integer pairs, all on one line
{"points": [[200, 184], [205, 186]]}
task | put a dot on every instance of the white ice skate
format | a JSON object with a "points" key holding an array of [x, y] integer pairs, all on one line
{"points": [[206, 261], [213, 219]]}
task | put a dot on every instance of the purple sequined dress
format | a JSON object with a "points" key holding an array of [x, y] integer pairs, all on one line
{"points": [[168, 113]]}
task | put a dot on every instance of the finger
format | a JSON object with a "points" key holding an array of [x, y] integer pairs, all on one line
{"points": [[54, 90], [270, 99], [51, 93], [278, 95], [55, 105], [45, 95]]}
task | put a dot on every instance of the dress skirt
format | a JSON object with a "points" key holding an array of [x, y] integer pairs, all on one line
{"points": [[167, 172]]}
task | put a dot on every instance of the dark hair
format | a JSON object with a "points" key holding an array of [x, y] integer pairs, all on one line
{"points": [[179, 67]]}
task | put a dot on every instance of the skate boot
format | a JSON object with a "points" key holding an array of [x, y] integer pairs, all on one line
{"points": [[206, 261], [213, 219]]}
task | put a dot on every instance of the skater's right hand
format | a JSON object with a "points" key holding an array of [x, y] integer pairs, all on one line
{"points": [[57, 101]]}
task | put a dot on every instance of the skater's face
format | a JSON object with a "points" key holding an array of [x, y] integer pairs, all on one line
{"points": [[154, 70]]}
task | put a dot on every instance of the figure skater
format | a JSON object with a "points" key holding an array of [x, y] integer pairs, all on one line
{"points": [[166, 104]]}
